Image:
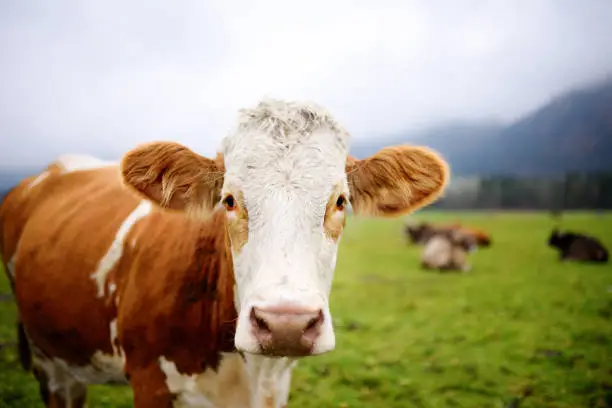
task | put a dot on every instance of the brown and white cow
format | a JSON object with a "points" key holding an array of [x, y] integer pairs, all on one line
{"points": [[197, 281], [447, 250]]}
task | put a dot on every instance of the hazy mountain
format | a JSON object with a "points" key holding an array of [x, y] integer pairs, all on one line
{"points": [[571, 133]]}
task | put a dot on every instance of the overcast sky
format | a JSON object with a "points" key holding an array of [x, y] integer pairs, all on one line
{"points": [[101, 76]]}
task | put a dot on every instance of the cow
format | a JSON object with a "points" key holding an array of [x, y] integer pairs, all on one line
{"points": [[198, 282], [577, 247], [483, 239], [447, 250], [419, 234]]}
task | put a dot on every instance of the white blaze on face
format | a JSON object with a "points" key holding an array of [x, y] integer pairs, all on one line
{"points": [[284, 168]]}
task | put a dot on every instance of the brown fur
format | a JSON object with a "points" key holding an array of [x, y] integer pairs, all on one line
{"points": [[174, 176], [174, 282], [482, 238], [238, 226], [396, 180], [175, 287], [421, 233], [333, 223], [190, 295]]}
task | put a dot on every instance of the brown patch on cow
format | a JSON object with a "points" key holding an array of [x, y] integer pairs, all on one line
{"points": [[58, 303], [238, 222], [420, 234], [174, 288], [482, 238], [17, 206], [149, 387], [176, 298], [174, 177], [396, 180], [335, 214]]}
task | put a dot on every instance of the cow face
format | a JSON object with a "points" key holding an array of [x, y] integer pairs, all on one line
{"points": [[285, 182], [556, 238]]}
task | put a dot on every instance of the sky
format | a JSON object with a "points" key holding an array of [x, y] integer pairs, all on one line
{"points": [[100, 77]]}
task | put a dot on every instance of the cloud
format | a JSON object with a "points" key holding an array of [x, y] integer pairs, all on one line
{"points": [[100, 77]]}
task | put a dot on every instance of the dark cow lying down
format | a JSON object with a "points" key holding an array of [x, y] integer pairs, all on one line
{"points": [[578, 247]]}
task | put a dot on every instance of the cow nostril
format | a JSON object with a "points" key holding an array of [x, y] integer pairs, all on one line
{"points": [[259, 323], [314, 323]]}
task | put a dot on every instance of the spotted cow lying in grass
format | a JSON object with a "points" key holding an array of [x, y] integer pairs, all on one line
{"points": [[419, 234], [448, 251]]}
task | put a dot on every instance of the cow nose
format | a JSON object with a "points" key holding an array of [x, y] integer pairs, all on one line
{"points": [[283, 331]]}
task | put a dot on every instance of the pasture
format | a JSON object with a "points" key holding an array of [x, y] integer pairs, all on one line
{"points": [[519, 330]]}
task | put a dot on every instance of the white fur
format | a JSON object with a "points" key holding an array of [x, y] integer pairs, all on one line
{"points": [[10, 266], [103, 369], [184, 386], [270, 378], [60, 379], [115, 251], [76, 162], [38, 179], [285, 159], [437, 251], [253, 383], [113, 336]]}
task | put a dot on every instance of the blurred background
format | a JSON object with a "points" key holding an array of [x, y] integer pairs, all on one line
{"points": [[516, 95]]}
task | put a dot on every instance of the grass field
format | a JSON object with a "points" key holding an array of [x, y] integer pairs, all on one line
{"points": [[519, 330]]}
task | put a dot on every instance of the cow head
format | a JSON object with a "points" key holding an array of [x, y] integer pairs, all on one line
{"points": [[556, 238], [285, 182]]}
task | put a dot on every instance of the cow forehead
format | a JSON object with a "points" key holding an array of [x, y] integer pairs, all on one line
{"points": [[285, 142]]}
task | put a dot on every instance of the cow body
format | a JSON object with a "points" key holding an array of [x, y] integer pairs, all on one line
{"points": [[448, 251], [578, 247], [421, 233], [88, 264], [196, 281]]}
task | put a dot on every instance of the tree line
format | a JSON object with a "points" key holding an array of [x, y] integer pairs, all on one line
{"points": [[569, 191]]}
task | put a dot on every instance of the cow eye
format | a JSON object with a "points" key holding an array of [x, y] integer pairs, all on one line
{"points": [[341, 202], [229, 202]]}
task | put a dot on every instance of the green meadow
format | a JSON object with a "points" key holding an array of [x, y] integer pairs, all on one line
{"points": [[519, 330]]}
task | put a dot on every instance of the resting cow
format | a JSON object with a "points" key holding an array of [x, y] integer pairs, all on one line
{"points": [[420, 234], [482, 239], [196, 281], [578, 247], [448, 250]]}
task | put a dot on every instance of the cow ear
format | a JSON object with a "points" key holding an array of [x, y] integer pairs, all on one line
{"points": [[173, 176], [396, 180]]}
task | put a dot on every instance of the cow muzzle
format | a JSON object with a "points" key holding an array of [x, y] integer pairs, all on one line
{"points": [[286, 331]]}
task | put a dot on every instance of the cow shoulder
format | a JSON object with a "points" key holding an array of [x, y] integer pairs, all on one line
{"points": [[179, 288]]}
